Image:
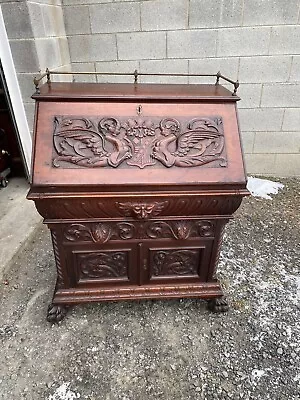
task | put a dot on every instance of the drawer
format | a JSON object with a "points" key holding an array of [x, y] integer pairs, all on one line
{"points": [[137, 207]]}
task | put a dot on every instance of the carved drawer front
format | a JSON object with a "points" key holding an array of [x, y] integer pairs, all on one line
{"points": [[186, 261], [109, 231], [138, 208], [107, 266]]}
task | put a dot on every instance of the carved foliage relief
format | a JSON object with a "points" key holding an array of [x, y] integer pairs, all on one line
{"points": [[103, 265], [138, 142], [103, 232], [175, 262]]}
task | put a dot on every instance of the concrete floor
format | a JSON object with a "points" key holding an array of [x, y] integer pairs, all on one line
{"points": [[18, 220], [173, 350]]}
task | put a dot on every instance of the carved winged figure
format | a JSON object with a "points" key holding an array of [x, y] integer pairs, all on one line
{"points": [[77, 141], [202, 143], [138, 142]]}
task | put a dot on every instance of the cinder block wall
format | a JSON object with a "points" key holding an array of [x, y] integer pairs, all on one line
{"points": [[37, 39], [256, 41]]}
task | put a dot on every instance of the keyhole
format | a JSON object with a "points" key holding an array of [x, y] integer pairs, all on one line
{"points": [[145, 264], [139, 110]]}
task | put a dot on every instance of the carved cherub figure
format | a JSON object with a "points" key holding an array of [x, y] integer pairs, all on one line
{"points": [[122, 149]]}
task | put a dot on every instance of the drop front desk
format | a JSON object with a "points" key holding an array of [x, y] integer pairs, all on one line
{"points": [[136, 183]]}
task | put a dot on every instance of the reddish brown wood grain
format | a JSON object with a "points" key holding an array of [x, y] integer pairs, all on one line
{"points": [[136, 183]]}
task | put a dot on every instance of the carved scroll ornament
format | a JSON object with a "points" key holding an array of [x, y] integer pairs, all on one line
{"points": [[103, 232], [138, 142]]}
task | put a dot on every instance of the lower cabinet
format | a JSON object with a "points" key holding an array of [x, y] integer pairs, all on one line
{"points": [[135, 253], [138, 263], [129, 259]]}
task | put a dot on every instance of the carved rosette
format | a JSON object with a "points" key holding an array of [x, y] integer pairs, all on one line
{"points": [[138, 142], [106, 231]]}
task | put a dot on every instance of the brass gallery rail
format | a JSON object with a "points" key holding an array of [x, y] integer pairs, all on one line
{"points": [[135, 75]]}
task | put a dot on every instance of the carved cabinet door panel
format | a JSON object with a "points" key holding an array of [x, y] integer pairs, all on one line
{"points": [[170, 261], [105, 265]]}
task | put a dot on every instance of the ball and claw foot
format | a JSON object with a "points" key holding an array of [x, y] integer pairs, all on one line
{"points": [[56, 313], [218, 305]]}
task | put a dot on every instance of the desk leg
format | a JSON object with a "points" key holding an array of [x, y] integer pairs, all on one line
{"points": [[56, 313], [218, 304]]}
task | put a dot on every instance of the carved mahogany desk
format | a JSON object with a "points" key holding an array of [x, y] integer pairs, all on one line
{"points": [[136, 183]]}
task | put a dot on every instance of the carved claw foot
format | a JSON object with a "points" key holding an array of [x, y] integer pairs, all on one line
{"points": [[218, 305], [56, 313]]}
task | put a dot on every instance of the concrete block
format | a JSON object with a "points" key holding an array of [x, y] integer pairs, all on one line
{"points": [[84, 2], [281, 95], [49, 2], [53, 20], [285, 40], [116, 66], [291, 119], [17, 20], [270, 12], [115, 17], [84, 67], [26, 86], [277, 142], [295, 70], [164, 66], [243, 41], [260, 164], [87, 48], [261, 119], [250, 95], [141, 45], [29, 110], [287, 165], [24, 55], [227, 66], [265, 69], [77, 20], [192, 44], [63, 78], [164, 14], [217, 13], [247, 139], [64, 51], [36, 19], [48, 51]]}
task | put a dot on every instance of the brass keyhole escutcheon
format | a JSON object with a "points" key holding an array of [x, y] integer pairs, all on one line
{"points": [[139, 110], [144, 265]]}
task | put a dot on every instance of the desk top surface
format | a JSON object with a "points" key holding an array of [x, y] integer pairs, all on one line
{"points": [[73, 91]]}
